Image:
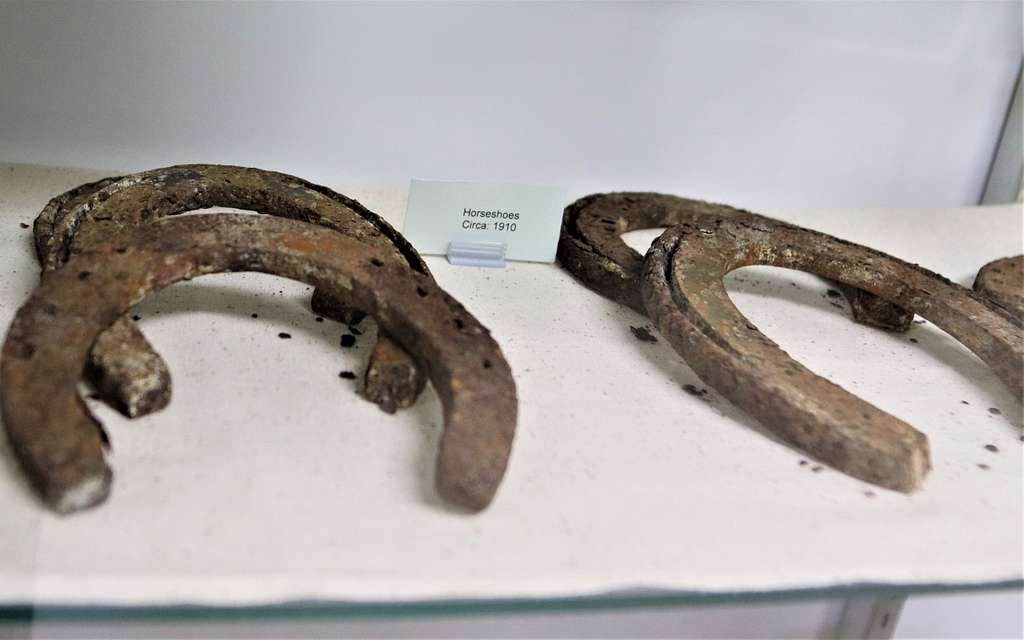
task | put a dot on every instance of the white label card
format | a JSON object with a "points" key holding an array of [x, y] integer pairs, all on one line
{"points": [[526, 217]]}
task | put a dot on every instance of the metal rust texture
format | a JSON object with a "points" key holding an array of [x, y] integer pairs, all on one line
{"points": [[591, 248], [1002, 283], [684, 295], [129, 373], [60, 444]]}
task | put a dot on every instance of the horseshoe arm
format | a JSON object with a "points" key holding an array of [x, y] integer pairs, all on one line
{"points": [[57, 440], [127, 370]]}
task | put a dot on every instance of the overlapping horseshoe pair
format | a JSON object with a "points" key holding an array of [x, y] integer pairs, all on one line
{"points": [[59, 443], [679, 285], [592, 249], [130, 374]]}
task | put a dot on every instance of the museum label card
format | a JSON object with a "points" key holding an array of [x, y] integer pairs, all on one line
{"points": [[525, 217]]}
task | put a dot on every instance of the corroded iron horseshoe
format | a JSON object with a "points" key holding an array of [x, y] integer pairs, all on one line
{"points": [[1002, 282], [591, 248], [59, 443], [130, 374], [684, 296]]}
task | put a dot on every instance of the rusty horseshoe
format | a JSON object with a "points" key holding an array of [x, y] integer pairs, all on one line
{"points": [[684, 296], [591, 248], [59, 443], [129, 373], [1002, 283]]}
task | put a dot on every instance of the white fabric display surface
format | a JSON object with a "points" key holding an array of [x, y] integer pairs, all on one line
{"points": [[269, 479]]}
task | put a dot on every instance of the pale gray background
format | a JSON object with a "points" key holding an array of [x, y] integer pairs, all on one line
{"points": [[761, 105], [770, 104]]}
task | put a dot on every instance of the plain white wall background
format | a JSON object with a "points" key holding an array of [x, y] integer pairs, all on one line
{"points": [[762, 105], [771, 104]]}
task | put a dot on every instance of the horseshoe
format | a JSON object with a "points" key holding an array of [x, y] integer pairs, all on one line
{"points": [[59, 443], [684, 296], [129, 373], [591, 248], [1002, 283]]}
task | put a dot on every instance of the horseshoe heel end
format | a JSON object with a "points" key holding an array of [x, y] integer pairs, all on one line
{"points": [[472, 460], [899, 464], [88, 492], [129, 374], [393, 379], [333, 308], [472, 489], [67, 478], [872, 311], [66, 467], [920, 465]]}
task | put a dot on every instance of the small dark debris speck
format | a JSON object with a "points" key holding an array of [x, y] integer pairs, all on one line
{"points": [[982, 465], [964, 402], [136, 317], [319, 319], [355, 331], [994, 411], [870, 494], [817, 468], [23, 225], [991, 447], [920, 321], [643, 334], [694, 391], [803, 463], [255, 315], [832, 293], [348, 375], [914, 340], [284, 336], [347, 340]]}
